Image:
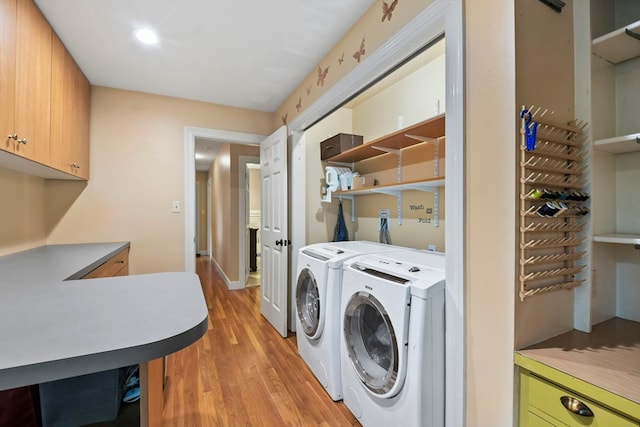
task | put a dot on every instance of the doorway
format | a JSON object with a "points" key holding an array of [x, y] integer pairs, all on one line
{"points": [[249, 199], [190, 135]]}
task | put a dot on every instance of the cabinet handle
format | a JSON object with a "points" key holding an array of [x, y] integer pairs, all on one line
{"points": [[14, 136], [574, 405], [22, 141], [74, 165]]}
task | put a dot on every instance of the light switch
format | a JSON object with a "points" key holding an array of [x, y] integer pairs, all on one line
{"points": [[176, 206]]}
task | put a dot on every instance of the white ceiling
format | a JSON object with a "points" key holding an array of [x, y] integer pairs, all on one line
{"points": [[243, 53]]}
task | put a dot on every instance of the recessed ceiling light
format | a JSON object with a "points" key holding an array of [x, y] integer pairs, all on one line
{"points": [[146, 36]]}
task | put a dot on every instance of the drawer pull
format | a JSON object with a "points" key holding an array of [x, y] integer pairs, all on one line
{"points": [[575, 406]]}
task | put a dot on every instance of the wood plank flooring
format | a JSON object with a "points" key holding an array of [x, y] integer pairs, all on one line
{"points": [[242, 372]]}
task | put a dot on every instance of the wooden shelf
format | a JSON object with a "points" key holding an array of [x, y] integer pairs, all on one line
{"points": [[619, 144], [420, 185], [623, 239], [429, 129], [618, 46]]}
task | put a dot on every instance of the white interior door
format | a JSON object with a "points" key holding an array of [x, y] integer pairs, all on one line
{"points": [[274, 242]]}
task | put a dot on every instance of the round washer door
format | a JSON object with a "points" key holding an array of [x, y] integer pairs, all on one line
{"points": [[308, 303], [372, 344]]}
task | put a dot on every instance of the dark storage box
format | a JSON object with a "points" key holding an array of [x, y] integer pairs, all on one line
{"points": [[338, 144], [82, 400]]}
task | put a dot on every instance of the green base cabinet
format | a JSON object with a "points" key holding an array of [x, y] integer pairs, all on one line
{"points": [[553, 398]]}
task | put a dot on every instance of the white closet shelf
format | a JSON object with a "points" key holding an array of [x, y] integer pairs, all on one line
{"points": [[420, 185], [618, 46], [619, 144], [623, 239]]}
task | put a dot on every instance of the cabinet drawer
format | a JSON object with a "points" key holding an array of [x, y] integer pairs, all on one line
{"points": [[537, 419], [545, 397], [118, 265]]}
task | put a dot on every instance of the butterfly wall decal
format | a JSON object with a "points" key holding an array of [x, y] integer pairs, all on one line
{"points": [[360, 53], [299, 104], [387, 10], [322, 75], [341, 59], [284, 119]]}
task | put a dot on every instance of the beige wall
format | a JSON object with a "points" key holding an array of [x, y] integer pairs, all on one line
{"points": [[201, 179], [411, 99], [22, 212], [220, 174], [137, 170], [225, 207], [490, 132], [254, 190]]}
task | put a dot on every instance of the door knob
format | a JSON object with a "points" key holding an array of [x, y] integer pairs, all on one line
{"points": [[279, 242]]}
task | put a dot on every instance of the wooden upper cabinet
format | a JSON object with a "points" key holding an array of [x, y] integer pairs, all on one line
{"points": [[32, 82], [70, 106], [8, 32], [45, 97]]}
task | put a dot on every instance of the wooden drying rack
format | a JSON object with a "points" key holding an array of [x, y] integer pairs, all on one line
{"points": [[552, 169]]}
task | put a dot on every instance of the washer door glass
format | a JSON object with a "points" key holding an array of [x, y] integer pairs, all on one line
{"points": [[308, 303], [371, 343]]}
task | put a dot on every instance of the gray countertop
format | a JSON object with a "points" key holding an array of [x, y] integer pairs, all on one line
{"points": [[54, 326]]}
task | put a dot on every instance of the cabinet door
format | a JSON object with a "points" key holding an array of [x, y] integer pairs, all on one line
{"points": [[70, 91], [33, 82], [8, 17]]}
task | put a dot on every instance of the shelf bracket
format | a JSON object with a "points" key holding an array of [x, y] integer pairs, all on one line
{"points": [[632, 34], [436, 159], [421, 138], [386, 149], [353, 206]]}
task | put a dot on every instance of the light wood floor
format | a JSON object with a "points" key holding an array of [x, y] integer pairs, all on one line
{"points": [[242, 373]]}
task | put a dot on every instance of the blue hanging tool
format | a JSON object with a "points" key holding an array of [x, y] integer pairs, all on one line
{"points": [[340, 232], [530, 130]]}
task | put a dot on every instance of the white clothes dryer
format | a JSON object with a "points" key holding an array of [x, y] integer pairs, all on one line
{"points": [[319, 278], [392, 348]]}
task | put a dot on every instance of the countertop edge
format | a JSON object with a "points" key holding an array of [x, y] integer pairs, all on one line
{"points": [[87, 364]]}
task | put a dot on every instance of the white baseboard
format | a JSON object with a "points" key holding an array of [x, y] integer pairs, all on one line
{"points": [[231, 285]]}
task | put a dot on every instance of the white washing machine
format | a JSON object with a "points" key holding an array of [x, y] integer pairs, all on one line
{"points": [[319, 277], [392, 347]]}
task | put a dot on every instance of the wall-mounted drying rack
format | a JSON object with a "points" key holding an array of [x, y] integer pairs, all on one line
{"points": [[553, 203]]}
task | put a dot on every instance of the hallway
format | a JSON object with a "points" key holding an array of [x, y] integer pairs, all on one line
{"points": [[242, 373]]}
